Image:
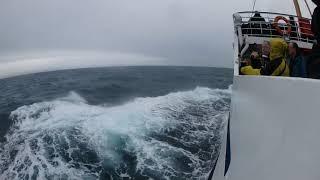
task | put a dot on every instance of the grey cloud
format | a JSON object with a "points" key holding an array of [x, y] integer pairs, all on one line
{"points": [[58, 60], [183, 32]]}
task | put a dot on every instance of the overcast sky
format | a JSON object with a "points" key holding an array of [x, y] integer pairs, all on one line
{"points": [[38, 35]]}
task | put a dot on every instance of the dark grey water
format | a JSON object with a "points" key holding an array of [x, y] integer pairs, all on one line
{"points": [[108, 123]]}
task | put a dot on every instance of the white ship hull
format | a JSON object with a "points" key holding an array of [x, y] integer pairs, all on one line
{"points": [[274, 130]]}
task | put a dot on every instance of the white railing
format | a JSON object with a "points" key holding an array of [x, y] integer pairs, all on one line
{"points": [[264, 25]]}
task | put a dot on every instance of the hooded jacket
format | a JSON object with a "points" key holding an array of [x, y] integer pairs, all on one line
{"points": [[277, 65]]}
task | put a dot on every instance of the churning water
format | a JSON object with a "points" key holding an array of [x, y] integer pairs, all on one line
{"points": [[143, 123]]}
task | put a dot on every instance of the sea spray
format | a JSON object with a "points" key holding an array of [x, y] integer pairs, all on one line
{"points": [[166, 137]]}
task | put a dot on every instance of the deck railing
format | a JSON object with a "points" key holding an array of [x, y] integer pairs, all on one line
{"points": [[262, 24]]}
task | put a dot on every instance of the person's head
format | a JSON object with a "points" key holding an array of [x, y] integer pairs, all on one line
{"points": [[266, 48], [293, 49], [255, 60], [257, 14], [279, 48]]}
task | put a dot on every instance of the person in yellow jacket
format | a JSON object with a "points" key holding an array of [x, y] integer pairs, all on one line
{"points": [[277, 65], [248, 68]]}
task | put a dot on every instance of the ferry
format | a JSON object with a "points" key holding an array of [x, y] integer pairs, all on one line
{"points": [[273, 128]]}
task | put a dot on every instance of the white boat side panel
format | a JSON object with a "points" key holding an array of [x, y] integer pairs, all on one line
{"points": [[275, 128]]}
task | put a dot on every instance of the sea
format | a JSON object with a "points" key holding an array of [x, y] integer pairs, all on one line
{"points": [[113, 123]]}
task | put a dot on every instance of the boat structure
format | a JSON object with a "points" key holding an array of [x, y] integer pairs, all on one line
{"points": [[274, 127]]}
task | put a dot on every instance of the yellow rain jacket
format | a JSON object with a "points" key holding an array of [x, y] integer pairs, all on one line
{"points": [[248, 70], [277, 57]]}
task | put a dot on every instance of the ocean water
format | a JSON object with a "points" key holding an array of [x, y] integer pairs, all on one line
{"points": [[113, 123]]}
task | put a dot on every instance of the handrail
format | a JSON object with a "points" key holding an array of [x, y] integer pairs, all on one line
{"points": [[273, 13], [264, 26]]}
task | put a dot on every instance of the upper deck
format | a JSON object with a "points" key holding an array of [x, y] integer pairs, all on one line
{"points": [[253, 27]]}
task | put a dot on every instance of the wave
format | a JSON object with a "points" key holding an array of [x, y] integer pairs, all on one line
{"points": [[165, 137]]}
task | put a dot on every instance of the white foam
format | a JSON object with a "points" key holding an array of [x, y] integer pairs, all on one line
{"points": [[103, 129]]}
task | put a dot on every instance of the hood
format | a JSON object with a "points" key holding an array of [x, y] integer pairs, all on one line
{"points": [[278, 48]]}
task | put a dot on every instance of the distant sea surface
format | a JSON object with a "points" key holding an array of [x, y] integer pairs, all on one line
{"points": [[113, 123]]}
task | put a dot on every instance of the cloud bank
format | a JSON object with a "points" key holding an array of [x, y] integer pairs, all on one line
{"points": [[176, 32]]}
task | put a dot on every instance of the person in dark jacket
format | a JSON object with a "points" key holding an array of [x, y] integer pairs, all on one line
{"points": [[315, 24], [257, 18], [297, 64], [257, 23], [313, 62]]}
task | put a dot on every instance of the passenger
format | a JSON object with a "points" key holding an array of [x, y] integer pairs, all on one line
{"points": [[297, 64], [257, 24], [257, 18], [277, 65], [315, 24], [251, 66], [247, 68], [255, 60], [265, 53], [265, 57], [313, 62], [313, 66]]}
